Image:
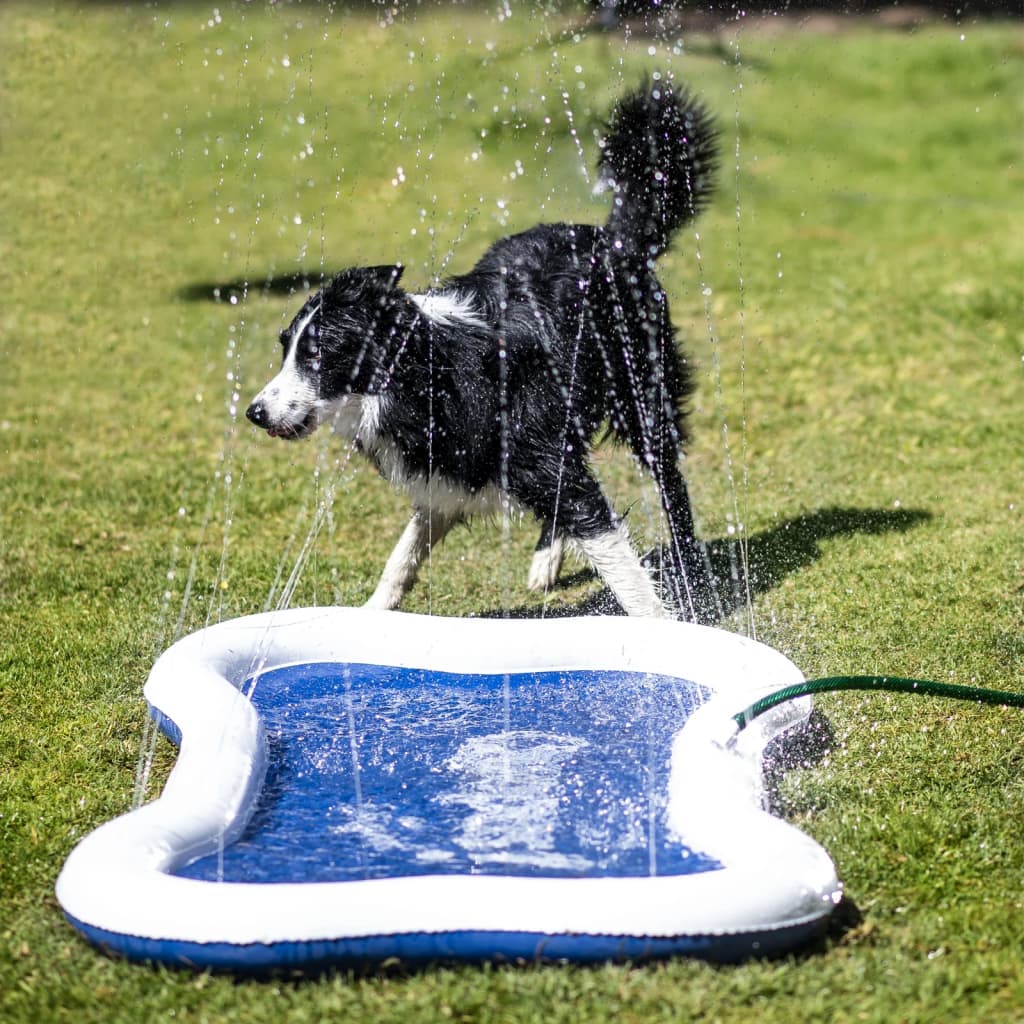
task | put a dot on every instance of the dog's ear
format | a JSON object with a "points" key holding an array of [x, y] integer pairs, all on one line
{"points": [[386, 274], [353, 284]]}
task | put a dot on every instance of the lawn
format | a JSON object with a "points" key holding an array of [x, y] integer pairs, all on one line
{"points": [[854, 299]]}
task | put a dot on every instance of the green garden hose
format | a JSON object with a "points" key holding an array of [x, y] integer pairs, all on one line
{"points": [[892, 684]]}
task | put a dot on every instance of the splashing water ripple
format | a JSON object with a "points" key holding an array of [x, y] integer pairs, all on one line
{"points": [[377, 771]]}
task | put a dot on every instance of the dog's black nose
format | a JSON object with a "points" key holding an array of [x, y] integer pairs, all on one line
{"points": [[257, 414]]}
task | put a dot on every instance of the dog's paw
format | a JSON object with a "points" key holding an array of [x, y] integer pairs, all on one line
{"points": [[384, 599], [546, 565]]}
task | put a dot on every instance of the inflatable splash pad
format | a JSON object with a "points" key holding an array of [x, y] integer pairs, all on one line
{"points": [[354, 786]]}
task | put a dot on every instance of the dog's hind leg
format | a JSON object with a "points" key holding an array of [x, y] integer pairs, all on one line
{"points": [[426, 528], [687, 581], [675, 501], [653, 429], [584, 516], [547, 558], [616, 561]]}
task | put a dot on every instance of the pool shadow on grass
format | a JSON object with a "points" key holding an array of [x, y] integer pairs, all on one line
{"points": [[732, 575]]}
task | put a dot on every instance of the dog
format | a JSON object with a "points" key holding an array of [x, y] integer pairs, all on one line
{"points": [[488, 391]]}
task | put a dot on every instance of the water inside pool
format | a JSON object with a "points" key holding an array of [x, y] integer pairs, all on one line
{"points": [[377, 771]]}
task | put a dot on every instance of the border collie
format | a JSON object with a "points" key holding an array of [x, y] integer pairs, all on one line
{"points": [[488, 391]]}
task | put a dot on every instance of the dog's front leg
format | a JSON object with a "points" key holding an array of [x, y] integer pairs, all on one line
{"points": [[425, 529]]}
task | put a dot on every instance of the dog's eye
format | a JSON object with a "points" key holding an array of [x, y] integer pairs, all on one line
{"points": [[311, 341], [284, 337]]}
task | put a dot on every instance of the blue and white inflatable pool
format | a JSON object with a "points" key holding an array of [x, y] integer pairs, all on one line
{"points": [[355, 785]]}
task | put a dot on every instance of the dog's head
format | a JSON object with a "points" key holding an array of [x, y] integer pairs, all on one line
{"points": [[340, 344]]}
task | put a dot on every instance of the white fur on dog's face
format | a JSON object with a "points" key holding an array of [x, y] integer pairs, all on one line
{"points": [[290, 404]]}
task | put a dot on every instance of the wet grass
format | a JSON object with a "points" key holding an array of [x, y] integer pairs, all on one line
{"points": [[866, 376]]}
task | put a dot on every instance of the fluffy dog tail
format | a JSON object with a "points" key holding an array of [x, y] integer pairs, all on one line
{"points": [[658, 157]]}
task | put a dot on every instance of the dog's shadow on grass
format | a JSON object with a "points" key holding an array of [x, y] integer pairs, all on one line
{"points": [[300, 283], [733, 575]]}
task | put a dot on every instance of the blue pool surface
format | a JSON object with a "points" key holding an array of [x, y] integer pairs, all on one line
{"points": [[377, 771]]}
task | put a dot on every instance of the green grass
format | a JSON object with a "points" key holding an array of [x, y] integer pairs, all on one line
{"points": [[867, 375]]}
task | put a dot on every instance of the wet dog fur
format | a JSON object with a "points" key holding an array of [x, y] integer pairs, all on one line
{"points": [[489, 390]]}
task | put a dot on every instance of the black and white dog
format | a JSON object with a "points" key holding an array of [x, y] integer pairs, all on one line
{"points": [[489, 390]]}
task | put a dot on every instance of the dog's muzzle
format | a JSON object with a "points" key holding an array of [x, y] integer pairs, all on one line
{"points": [[257, 413]]}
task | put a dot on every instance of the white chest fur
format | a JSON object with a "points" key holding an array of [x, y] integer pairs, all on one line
{"points": [[356, 418]]}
